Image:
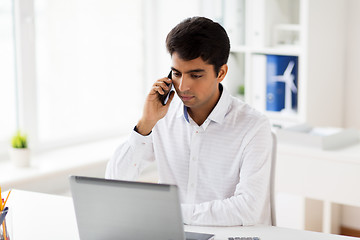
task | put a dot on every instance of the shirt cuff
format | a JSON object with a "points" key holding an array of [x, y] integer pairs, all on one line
{"points": [[187, 212], [136, 139]]}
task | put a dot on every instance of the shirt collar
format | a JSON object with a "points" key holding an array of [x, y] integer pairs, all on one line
{"points": [[218, 113]]}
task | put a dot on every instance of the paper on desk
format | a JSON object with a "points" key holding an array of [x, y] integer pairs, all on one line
{"points": [[325, 131], [325, 138]]}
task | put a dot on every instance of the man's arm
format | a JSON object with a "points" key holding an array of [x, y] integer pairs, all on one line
{"points": [[154, 110], [130, 158], [134, 155], [250, 203]]}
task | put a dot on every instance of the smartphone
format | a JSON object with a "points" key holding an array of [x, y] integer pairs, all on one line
{"points": [[164, 98]]}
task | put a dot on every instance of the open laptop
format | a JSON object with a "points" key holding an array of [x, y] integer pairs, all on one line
{"points": [[112, 209]]}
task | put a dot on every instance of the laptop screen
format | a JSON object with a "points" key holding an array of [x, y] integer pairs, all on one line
{"points": [[112, 209]]}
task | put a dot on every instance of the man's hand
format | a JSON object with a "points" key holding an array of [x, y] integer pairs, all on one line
{"points": [[154, 110]]}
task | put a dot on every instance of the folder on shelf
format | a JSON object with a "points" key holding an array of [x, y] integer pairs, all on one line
{"points": [[258, 96], [281, 83], [258, 21]]}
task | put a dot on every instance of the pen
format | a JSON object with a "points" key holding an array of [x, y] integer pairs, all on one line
{"points": [[4, 231], [6, 199]]}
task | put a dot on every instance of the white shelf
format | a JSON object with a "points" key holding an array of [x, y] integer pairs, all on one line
{"points": [[279, 50], [289, 27], [283, 116], [293, 28], [240, 49]]}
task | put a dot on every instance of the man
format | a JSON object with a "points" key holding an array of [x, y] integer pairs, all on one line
{"points": [[213, 146]]}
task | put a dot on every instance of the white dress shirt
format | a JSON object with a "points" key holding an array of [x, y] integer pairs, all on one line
{"points": [[222, 168]]}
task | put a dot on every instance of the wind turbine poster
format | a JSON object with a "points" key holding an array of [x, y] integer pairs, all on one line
{"points": [[281, 83]]}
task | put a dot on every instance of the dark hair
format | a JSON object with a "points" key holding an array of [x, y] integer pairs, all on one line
{"points": [[200, 37]]}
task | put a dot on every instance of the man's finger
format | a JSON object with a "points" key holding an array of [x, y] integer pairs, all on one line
{"points": [[172, 94]]}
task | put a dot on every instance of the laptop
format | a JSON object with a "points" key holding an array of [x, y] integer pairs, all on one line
{"points": [[113, 209]]}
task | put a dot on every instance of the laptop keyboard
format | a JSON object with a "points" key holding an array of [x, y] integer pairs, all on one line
{"points": [[243, 238]]}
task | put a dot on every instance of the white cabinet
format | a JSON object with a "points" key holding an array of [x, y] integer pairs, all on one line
{"points": [[312, 30]]}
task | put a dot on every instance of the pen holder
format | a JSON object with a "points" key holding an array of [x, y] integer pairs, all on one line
{"points": [[6, 225]]}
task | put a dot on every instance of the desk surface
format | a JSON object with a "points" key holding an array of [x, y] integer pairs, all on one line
{"points": [[315, 173], [42, 216]]}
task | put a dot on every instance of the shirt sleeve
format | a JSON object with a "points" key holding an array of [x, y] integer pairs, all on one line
{"points": [[251, 200], [130, 158]]}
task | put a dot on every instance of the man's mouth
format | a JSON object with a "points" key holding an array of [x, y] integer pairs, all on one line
{"points": [[186, 97]]}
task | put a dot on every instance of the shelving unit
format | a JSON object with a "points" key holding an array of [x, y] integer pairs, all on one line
{"points": [[315, 32], [307, 29]]}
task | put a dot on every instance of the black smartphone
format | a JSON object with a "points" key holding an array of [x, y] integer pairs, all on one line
{"points": [[164, 98]]}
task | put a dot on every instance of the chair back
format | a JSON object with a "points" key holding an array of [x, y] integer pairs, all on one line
{"points": [[272, 179]]}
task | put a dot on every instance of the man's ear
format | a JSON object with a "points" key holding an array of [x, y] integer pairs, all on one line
{"points": [[222, 73]]}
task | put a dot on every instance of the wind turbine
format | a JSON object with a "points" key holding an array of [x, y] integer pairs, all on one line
{"points": [[288, 79]]}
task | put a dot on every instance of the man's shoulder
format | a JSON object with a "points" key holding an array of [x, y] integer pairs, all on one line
{"points": [[240, 109], [245, 119]]}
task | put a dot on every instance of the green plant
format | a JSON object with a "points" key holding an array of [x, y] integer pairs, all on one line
{"points": [[241, 90], [19, 140]]}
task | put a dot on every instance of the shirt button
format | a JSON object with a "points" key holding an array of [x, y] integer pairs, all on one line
{"points": [[194, 159]]}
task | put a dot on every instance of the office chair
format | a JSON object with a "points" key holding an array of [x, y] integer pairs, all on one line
{"points": [[272, 180]]}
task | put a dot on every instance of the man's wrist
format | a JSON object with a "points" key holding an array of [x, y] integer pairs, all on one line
{"points": [[144, 127], [136, 130]]}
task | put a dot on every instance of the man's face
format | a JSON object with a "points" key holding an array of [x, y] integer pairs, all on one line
{"points": [[195, 82]]}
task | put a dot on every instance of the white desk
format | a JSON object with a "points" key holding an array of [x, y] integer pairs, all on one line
{"points": [[330, 176], [42, 217]]}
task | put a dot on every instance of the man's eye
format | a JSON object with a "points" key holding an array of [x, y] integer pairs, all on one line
{"points": [[176, 74], [196, 76]]}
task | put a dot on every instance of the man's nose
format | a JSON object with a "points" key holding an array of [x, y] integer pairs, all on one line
{"points": [[184, 83]]}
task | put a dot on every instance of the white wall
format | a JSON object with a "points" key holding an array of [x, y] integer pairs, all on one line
{"points": [[351, 215], [352, 78]]}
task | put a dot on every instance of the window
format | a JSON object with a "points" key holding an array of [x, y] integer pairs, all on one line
{"points": [[89, 67], [84, 67], [7, 74]]}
